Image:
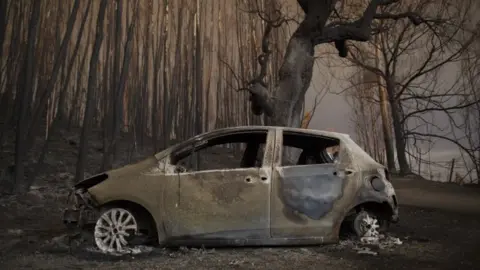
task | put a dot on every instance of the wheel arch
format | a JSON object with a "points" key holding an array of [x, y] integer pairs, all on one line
{"points": [[381, 208], [139, 209]]}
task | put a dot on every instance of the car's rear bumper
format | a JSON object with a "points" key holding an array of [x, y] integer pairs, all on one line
{"points": [[82, 210]]}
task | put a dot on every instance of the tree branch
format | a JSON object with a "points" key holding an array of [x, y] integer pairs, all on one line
{"points": [[361, 29], [260, 99]]}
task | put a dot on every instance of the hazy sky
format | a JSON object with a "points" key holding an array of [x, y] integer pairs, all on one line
{"points": [[334, 112]]}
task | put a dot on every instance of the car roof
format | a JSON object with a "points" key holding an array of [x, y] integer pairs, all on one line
{"points": [[300, 130]]}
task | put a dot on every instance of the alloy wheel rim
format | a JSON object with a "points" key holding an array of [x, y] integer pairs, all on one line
{"points": [[369, 226], [113, 228]]}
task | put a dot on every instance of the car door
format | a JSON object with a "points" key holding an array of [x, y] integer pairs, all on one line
{"points": [[307, 200], [221, 204]]}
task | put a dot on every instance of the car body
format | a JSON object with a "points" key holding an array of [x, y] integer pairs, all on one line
{"points": [[262, 202]]}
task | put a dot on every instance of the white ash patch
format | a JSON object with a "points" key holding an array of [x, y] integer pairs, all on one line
{"points": [[126, 251], [15, 232], [367, 245], [372, 239]]}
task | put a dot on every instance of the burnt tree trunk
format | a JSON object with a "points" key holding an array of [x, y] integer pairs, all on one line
{"points": [[40, 108], [110, 110], [89, 107], [284, 105], [167, 97], [400, 143], [120, 91], [3, 25], [60, 59], [25, 91]]}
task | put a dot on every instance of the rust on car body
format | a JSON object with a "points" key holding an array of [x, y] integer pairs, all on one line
{"points": [[266, 204]]}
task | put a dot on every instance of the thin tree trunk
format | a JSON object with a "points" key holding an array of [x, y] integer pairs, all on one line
{"points": [[387, 132], [56, 119], [62, 100], [167, 124], [59, 61], [89, 109], [108, 90], [198, 73], [120, 91], [25, 89], [78, 91], [6, 116], [4, 6], [15, 61], [400, 142]]}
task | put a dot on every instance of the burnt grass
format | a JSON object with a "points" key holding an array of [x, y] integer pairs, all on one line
{"points": [[31, 230]]}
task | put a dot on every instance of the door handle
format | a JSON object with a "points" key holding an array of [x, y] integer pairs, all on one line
{"points": [[264, 178]]}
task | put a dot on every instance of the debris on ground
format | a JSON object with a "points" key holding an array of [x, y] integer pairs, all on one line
{"points": [[366, 250], [126, 251], [370, 245], [16, 232]]}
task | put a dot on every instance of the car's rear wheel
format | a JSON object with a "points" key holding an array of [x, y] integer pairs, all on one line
{"points": [[115, 228]]}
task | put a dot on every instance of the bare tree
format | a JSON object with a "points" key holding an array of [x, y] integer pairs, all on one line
{"points": [[463, 121], [321, 24], [366, 117], [411, 57], [470, 122]]}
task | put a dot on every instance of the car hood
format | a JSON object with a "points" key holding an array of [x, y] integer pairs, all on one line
{"points": [[131, 169]]}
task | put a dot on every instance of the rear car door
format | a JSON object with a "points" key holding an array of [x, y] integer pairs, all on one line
{"points": [[308, 192], [228, 203]]}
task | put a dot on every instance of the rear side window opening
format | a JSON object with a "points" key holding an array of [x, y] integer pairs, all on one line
{"points": [[306, 149]]}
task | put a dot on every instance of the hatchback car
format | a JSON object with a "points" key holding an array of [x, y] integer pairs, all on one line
{"points": [[252, 185]]}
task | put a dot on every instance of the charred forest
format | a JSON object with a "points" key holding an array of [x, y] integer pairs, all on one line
{"points": [[151, 73]]}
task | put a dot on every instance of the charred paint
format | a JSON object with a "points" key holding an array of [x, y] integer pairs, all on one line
{"points": [[386, 199], [310, 190], [228, 193], [211, 203]]}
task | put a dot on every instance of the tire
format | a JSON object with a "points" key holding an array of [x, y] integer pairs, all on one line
{"points": [[116, 229]]}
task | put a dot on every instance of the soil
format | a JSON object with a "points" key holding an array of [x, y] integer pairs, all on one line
{"points": [[439, 228]]}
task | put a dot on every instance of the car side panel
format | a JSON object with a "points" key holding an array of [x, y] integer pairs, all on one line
{"points": [[218, 205], [221, 205], [310, 201]]}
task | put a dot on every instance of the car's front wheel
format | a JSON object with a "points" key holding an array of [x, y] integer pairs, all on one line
{"points": [[115, 228]]}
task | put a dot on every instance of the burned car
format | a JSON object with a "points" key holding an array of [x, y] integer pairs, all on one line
{"points": [[285, 188]]}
